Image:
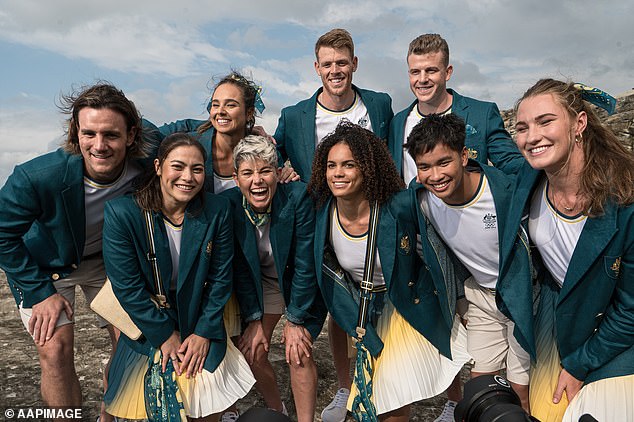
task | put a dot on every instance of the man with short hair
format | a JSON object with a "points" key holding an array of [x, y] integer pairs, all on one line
{"points": [[300, 129], [466, 203], [487, 140], [302, 126], [51, 217], [429, 71]]}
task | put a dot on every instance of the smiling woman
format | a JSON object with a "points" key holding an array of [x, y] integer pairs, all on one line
{"points": [[188, 336]]}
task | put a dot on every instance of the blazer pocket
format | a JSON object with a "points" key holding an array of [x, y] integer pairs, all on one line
{"points": [[612, 266]]}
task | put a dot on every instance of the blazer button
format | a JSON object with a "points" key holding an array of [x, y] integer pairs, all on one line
{"points": [[436, 292], [410, 284], [599, 315], [74, 266], [55, 276], [416, 301]]}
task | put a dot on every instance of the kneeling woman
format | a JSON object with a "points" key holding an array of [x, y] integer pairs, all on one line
{"points": [[411, 344], [274, 272], [188, 336]]}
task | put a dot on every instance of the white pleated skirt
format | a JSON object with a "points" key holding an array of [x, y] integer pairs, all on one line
{"points": [[410, 368], [205, 394], [608, 399]]}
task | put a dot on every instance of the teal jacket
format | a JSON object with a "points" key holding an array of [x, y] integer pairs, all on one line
{"points": [[415, 288], [43, 223], [291, 234], [295, 133], [514, 289], [594, 315], [204, 278], [487, 139]]}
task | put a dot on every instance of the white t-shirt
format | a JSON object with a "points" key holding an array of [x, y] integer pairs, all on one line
{"points": [[350, 251], [326, 120], [409, 165], [265, 252], [223, 183], [470, 230], [95, 197], [554, 234], [174, 236]]}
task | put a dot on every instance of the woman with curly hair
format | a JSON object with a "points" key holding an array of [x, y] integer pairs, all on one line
{"points": [[410, 343], [576, 193]]}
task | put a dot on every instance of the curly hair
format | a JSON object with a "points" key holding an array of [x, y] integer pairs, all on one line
{"points": [[380, 177], [102, 95], [608, 171], [249, 93]]}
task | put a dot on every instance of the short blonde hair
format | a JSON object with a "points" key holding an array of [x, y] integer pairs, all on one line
{"points": [[254, 146], [336, 38]]}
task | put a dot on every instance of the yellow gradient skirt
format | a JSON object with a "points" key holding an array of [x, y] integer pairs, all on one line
{"points": [[410, 368], [545, 371], [203, 395], [231, 316]]}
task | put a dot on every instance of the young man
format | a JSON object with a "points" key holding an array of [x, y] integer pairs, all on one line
{"points": [[51, 217], [302, 126], [429, 71], [466, 203], [300, 129]]}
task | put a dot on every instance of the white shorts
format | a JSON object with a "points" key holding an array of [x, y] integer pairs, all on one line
{"points": [[490, 338], [90, 276]]}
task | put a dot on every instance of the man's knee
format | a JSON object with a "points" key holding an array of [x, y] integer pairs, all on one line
{"points": [[57, 353]]}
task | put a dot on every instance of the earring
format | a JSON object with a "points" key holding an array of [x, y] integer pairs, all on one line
{"points": [[579, 138]]}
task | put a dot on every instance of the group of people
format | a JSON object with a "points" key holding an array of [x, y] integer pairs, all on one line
{"points": [[463, 245]]}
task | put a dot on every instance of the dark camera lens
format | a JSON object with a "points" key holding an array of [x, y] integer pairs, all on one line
{"points": [[489, 398]]}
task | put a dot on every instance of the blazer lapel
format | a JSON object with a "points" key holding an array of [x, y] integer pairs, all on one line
{"points": [[163, 255], [596, 234], [73, 199], [245, 234], [281, 222], [386, 243], [194, 231], [321, 233], [307, 130]]}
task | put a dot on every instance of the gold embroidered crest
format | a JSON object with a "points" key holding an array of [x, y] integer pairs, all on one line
{"points": [[209, 248], [616, 267], [405, 244], [473, 154]]}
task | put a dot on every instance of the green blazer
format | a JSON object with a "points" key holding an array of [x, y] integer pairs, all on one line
{"points": [[43, 223], [204, 273], [295, 133], [514, 289], [291, 234], [594, 312], [410, 282], [487, 139]]}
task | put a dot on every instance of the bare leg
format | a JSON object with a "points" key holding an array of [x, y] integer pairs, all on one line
{"points": [[522, 392], [398, 415], [114, 334], [262, 369], [339, 347], [454, 391], [60, 385], [304, 386]]}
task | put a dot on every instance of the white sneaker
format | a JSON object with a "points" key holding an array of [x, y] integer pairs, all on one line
{"points": [[336, 411], [230, 416], [447, 412]]}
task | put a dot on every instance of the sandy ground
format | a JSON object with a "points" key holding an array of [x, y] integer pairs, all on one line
{"points": [[19, 367]]}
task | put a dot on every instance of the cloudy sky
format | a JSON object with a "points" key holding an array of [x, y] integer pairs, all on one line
{"points": [[164, 54]]}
